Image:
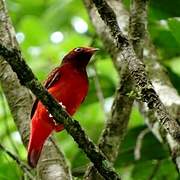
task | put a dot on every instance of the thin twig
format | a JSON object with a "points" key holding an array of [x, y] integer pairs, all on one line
{"points": [[156, 71], [5, 119], [99, 91], [79, 171], [155, 170], [137, 71], [139, 141], [22, 165], [116, 125], [20, 103]]}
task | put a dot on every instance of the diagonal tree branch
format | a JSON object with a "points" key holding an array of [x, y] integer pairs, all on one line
{"points": [[20, 102], [138, 21], [137, 71], [116, 125], [119, 111], [157, 73], [168, 95], [101, 164], [27, 78], [115, 129]]}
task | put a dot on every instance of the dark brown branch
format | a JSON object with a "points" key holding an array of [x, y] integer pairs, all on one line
{"points": [[116, 125], [20, 101], [137, 71], [159, 78], [168, 95], [27, 78], [156, 71]]}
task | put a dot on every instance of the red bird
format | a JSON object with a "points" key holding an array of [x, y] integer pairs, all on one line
{"points": [[68, 84]]}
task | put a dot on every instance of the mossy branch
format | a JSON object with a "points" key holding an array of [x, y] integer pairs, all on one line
{"points": [[27, 78], [137, 70]]}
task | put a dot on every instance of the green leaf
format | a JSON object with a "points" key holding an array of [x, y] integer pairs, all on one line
{"points": [[34, 30], [142, 170], [174, 25], [164, 9], [107, 86], [156, 170], [60, 14], [164, 40], [173, 68], [126, 155], [8, 168]]}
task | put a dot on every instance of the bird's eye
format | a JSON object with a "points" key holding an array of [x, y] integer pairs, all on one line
{"points": [[78, 49]]}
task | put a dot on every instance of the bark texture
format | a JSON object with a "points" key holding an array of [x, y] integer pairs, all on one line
{"points": [[170, 99], [163, 86], [116, 126], [158, 76], [137, 71], [138, 25], [27, 78], [20, 101]]}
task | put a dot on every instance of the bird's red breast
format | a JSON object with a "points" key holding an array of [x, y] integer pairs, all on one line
{"points": [[69, 86]]}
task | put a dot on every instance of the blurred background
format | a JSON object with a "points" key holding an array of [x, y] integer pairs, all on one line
{"points": [[46, 30]]}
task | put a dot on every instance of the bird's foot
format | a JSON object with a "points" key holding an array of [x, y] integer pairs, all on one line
{"points": [[63, 106], [55, 123]]}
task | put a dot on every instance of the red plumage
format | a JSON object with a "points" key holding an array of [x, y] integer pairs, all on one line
{"points": [[68, 84]]}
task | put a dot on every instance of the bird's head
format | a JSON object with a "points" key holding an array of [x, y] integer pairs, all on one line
{"points": [[79, 56]]}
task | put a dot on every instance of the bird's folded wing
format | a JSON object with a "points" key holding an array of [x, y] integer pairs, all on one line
{"points": [[53, 77]]}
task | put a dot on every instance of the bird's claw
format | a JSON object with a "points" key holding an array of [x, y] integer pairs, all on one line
{"points": [[55, 123], [63, 106]]}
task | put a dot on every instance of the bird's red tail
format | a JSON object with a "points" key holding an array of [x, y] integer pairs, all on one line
{"points": [[38, 135]]}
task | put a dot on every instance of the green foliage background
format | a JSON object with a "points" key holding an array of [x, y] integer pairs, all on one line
{"points": [[37, 20]]}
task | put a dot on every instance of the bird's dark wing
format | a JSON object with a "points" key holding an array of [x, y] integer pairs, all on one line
{"points": [[53, 77]]}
